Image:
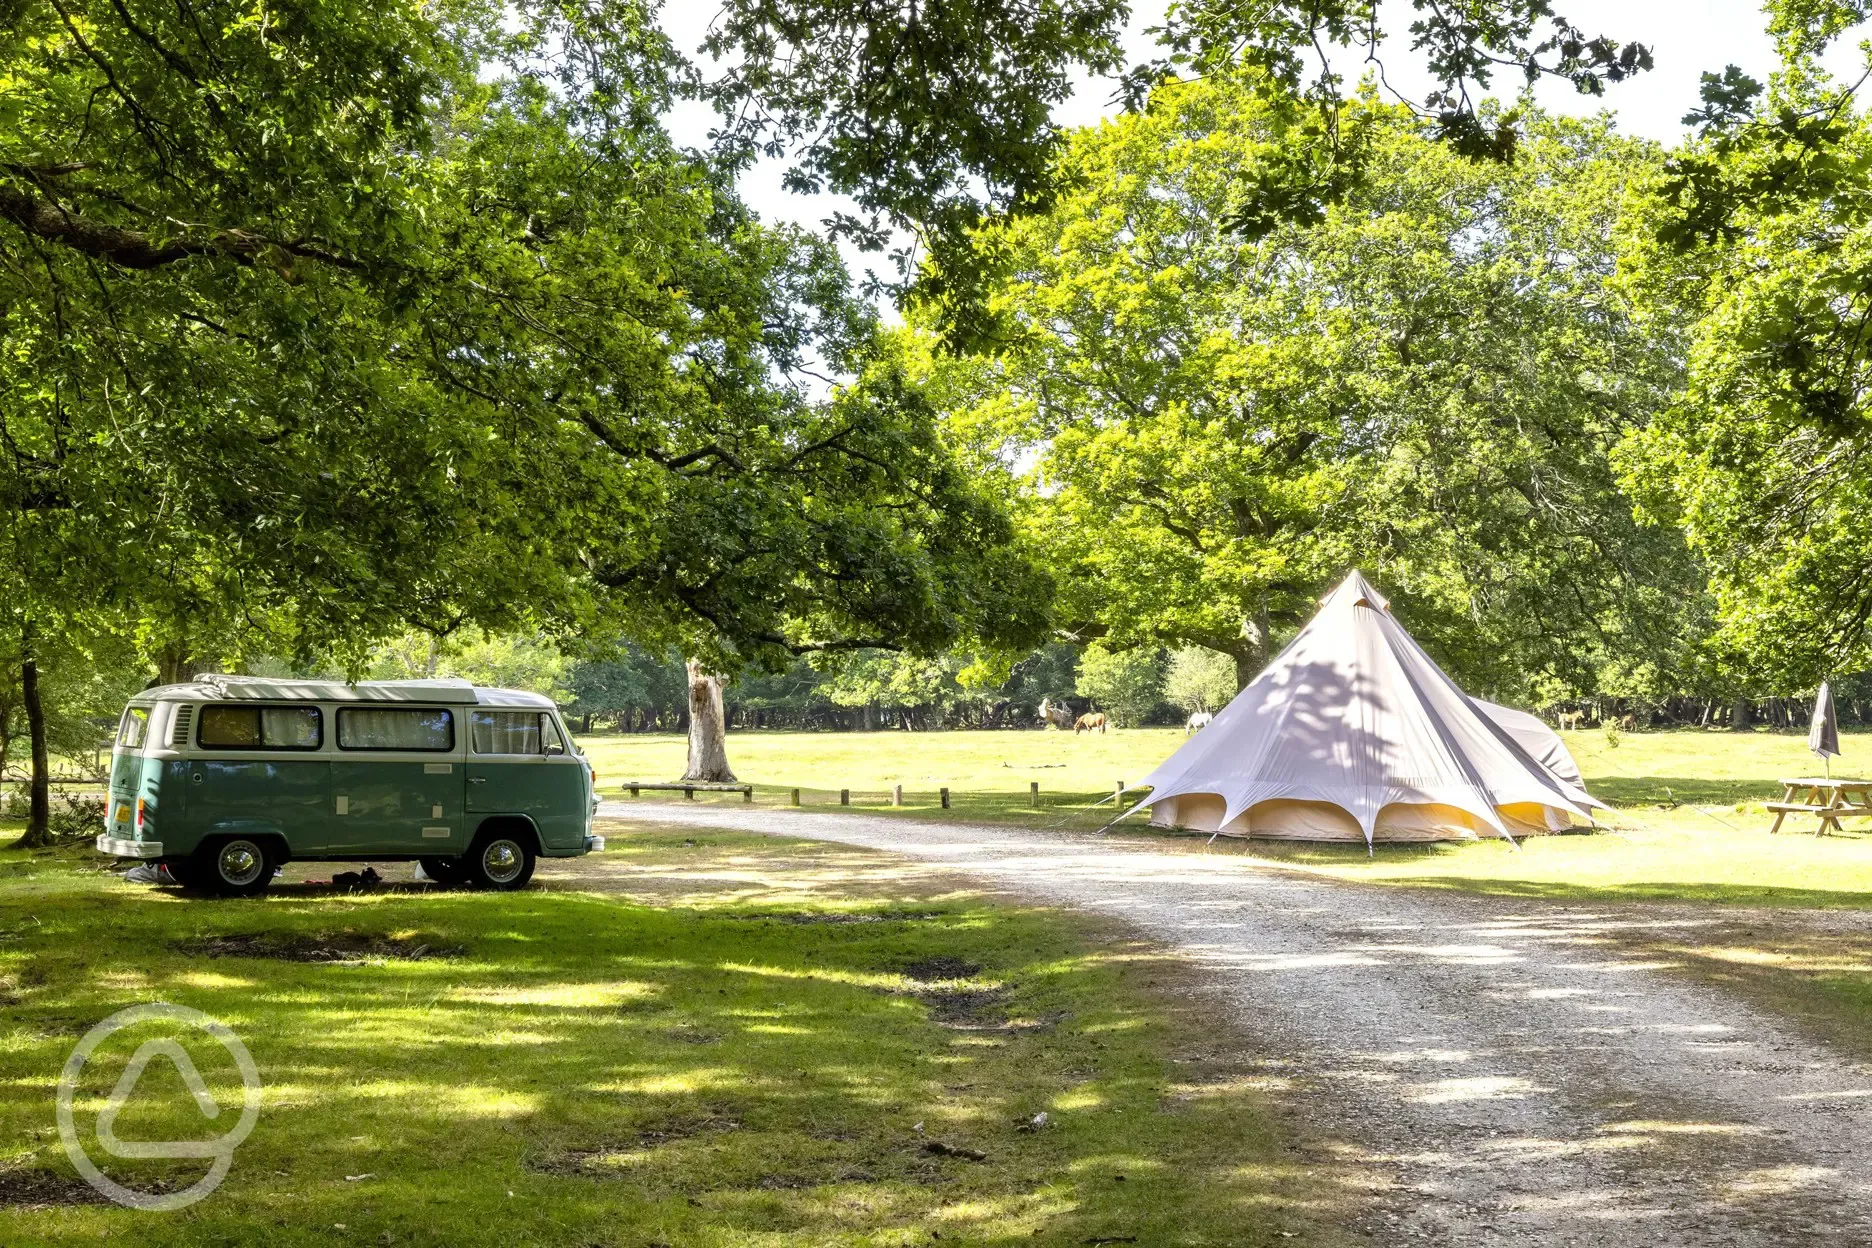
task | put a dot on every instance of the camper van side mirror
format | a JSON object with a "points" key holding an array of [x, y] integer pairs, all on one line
{"points": [[554, 748]]}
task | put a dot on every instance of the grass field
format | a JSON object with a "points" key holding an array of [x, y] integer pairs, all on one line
{"points": [[710, 1041], [1687, 823], [727, 1040]]}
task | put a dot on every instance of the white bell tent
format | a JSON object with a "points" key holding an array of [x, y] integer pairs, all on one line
{"points": [[1354, 733]]}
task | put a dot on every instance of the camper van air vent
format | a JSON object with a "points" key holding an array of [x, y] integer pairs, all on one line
{"points": [[178, 732]]}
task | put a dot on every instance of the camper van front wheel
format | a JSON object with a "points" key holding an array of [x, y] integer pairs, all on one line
{"points": [[236, 866], [500, 860]]}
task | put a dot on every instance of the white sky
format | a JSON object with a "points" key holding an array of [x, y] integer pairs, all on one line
{"points": [[1687, 38]]}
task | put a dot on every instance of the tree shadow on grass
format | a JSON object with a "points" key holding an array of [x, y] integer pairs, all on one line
{"points": [[582, 1065]]}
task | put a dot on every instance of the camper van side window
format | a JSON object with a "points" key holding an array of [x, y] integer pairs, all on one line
{"points": [[134, 728], [506, 732], [260, 728], [402, 728]]}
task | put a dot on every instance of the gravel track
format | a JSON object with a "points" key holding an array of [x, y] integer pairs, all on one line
{"points": [[1493, 1070]]}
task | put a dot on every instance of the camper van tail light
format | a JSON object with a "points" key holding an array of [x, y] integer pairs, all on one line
{"points": [[141, 804]]}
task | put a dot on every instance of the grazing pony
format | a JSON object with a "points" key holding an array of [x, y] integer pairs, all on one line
{"points": [[1092, 722], [1059, 717], [1197, 722], [1570, 719]]}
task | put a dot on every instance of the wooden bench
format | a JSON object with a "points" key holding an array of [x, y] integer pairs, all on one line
{"points": [[1827, 800], [688, 789]]}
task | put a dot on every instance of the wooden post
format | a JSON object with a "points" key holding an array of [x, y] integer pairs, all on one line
{"points": [[844, 797], [1033, 793], [897, 795], [689, 792], [1119, 797], [633, 788], [747, 794], [945, 799], [796, 797]]}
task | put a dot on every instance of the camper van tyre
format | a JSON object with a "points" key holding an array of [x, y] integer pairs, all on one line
{"points": [[235, 866], [501, 858]]}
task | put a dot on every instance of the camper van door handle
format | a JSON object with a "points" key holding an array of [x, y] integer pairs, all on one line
{"points": [[477, 779]]}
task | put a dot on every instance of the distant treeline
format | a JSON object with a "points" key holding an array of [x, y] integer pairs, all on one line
{"points": [[638, 691], [641, 692]]}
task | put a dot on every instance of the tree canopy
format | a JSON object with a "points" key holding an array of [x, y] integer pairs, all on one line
{"points": [[341, 319], [321, 323], [1430, 383], [1763, 456]]}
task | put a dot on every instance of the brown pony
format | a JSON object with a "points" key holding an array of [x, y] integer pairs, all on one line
{"points": [[1093, 722]]}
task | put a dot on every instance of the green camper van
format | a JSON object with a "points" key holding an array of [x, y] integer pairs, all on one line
{"points": [[225, 779]]}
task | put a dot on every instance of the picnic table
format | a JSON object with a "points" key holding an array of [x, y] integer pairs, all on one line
{"points": [[1828, 801]]}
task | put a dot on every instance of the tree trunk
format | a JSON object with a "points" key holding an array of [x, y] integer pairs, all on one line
{"points": [[1739, 717], [39, 810], [1252, 654], [172, 665], [708, 729]]}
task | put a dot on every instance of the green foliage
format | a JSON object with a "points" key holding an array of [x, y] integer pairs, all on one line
{"points": [[932, 117], [894, 680], [84, 685], [1428, 384], [505, 660], [1763, 457], [625, 680], [320, 328], [1199, 680], [1125, 684], [937, 119], [1325, 151]]}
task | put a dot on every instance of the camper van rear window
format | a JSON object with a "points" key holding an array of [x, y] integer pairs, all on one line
{"points": [[134, 728], [413, 728], [260, 728]]}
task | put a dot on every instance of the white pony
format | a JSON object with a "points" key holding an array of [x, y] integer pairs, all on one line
{"points": [[1055, 716], [1197, 722]]}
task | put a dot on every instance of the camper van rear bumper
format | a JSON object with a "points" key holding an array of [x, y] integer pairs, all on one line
{"points": [[594, 844], [117, 846]]}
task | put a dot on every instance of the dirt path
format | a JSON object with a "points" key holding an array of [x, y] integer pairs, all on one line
{"points": [[1494, 1069]]}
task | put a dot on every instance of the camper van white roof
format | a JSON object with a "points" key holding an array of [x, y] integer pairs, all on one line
{"points": [[212, 687]]}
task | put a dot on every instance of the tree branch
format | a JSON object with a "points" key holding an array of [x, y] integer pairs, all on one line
{"points": [[136, 249]]}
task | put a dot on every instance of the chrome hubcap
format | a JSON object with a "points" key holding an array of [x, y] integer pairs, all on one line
{"points": [[240, 862], [502, 861]]}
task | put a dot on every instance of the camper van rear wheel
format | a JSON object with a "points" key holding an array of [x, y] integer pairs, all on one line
{"points": [[235, 866], [501, 860]]}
